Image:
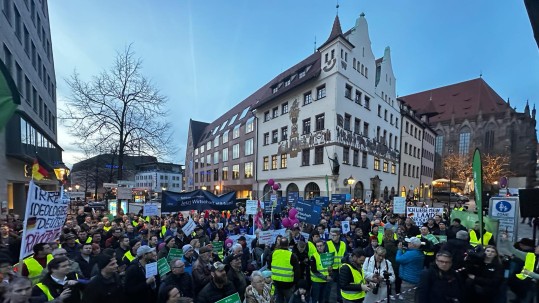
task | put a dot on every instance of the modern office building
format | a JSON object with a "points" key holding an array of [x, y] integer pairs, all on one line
{"points": [[472, 115], [155, 177], [26, 51]]}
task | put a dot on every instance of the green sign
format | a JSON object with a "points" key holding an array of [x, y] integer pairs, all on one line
{"points": [[327, 259], [468, 220], [217, 247], [477, 169], [162, 267], [235, 298], [441, 238], [432, 239], [174, 253]]}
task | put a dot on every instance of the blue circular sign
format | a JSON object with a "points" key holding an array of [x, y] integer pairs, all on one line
{"points": [[503, 206]]}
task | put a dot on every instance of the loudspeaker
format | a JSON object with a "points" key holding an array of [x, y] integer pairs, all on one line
{"points": [[529, 202]]}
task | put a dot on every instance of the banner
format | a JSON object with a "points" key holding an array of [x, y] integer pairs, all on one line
{"points": [[265, 237], [420, 215], [199, 200], [45, 215], [468, 220], [477, 169]]}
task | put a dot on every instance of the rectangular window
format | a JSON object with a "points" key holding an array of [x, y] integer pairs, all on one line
{"points": [[216, 157], [307, 98], [355, 160], [8, 59], [318, 155], [216, 141], [267, 116], [265, 165], [248, 170], [406, 147], [404, 170], [380, 111], [28, 87], [235, 172], [274, 162], [208, 145], [376, 163], [235, 151], [347, 121], [196, 177], [284, 160], [225, 154], [250, 125], [284, 108], [386, 166], [274, 136], [348, 91], [385, 114], [208, 159], [367, 102], [305, 154], [306, 126], [364, 160], [18, 25], [249, 147], [7, 10], [357, 125], [321, 92], [236, 132], [275, 112], [346, 155], [358, 97], [27, 42], [215, 175], [284, 133], [208, 176], [393, 168], [320, 122], [365, 129], [266, 138]]}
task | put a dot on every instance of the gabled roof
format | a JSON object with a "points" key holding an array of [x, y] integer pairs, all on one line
{"points": [[464, 100], [336, 32]]}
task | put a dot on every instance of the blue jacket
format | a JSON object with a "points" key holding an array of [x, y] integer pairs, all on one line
{"points": [[411, 264]]}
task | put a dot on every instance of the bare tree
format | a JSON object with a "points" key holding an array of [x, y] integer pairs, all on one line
{"points": [[495, 167], [119, 109]]}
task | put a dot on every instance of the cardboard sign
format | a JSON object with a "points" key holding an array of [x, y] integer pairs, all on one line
{"points": [[189, 227], [368, 196], [217, 247], [151, 269], [265, 237], [174, 253], [399, 205], [251, 207], [235, 298], [150, 209], [327, 259], [421, 215], [162, 267]]}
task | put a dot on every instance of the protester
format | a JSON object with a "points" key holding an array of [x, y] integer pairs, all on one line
{"points": [[219, 286], [138, 288], [352, 281], [33, 265], [320, 275], [285, 271], [484, 273], [236, 276], [380, 271], [19, 290], [179, 278], [411, 262], [106, 286], [301, 295], [58, 283], [258, 291], [201, 269], [440, 283]]}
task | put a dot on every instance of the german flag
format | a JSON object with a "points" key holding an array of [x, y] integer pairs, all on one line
{"points": [[39, 172]]}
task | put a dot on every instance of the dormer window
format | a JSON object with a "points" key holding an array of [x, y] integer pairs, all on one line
{"points": [[287, 82], [274, 89], [302, 74]]}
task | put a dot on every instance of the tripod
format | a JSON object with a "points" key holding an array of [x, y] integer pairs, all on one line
{"points": [[388, 285]]}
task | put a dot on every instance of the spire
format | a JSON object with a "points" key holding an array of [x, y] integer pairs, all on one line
{"points": [[508, 102], [336, 30], [533, 112], [527, 108]]}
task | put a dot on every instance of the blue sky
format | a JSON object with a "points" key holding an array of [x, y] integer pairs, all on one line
{"points": [[207, 56]]}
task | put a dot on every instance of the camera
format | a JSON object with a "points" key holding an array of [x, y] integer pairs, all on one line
{"points": [[375, 289], [386, 275]]}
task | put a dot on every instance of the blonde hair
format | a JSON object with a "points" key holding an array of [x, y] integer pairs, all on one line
{"points": [[388, 235]]}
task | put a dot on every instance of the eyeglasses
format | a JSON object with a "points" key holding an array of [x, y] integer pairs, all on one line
{"points": [[178, 266]]}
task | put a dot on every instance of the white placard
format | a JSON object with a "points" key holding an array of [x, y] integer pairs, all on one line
{"points": [[504, 209], [251, 207], [420, 215], [189, 227], [368, 196], [345, 227], [277, 232], [124, 193], [151, 269], [150, 209], [399, 205], [264, 237]]}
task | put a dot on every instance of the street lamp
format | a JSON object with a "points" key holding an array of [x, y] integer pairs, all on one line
{"points": [[203, 188], [61, 171], [350, 181], [77, 187], [217, 187]]}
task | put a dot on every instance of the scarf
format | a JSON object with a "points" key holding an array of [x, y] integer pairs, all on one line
{"points": [[260, 298]]}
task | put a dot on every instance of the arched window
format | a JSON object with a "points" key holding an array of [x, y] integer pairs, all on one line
{"points": [[311, 190], [291, 188], [267, 188], [464, 141]]}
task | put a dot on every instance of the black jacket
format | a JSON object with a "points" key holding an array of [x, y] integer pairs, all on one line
{"points": [[211, 294], [183, 282], [346, 278], [56, 289], [136, 288], [440, 287], [103, 290], [458, 249], [85, 267]]}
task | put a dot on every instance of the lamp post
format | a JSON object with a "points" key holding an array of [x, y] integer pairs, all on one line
{"points": [[350, 181], [217, 187]]}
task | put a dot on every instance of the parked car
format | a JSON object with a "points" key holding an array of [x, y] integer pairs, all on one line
{"points": [[444, 196]]}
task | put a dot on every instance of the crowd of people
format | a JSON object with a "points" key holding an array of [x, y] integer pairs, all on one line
{"points": [[378, 256]]}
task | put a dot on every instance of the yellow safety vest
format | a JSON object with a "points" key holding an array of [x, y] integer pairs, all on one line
{"points": [[379, 236], [337, 255], [106, 229], [320, 268], [88, 240], [529, 264], [135, 223], [474, 241], [426, 253], [163, 231], [46, 291], [358, 279], [34, 268], [129, 256], [281, 269], [312, 249], [459, 208]]}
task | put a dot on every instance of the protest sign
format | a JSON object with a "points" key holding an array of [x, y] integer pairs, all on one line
{"points": [[249, 239], [264, 237], [189, 227], [307, 213], [150, 209], [278, 232], [162, 267], [174, 253], [432, 239], [44, 218], [151, 269], [368, 196], [420, 215], [321, 201], [305, 235], [293, 197], [235, 298], [251, 207], [217, 247], [442, 239], [399, 205], [326, 259], [345, 227], [338, 198]]}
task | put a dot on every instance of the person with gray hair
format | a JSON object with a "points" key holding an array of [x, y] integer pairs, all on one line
{"points": [[258, 291], [179, 279], [458, 248], [19, 290]]}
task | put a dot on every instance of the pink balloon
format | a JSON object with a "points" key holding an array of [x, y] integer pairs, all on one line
{"points": [[276, 186], [228, 243], [271, 182], [294, 222], [292, 213], [286, 223]]}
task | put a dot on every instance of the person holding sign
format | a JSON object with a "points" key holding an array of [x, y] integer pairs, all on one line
{"points": [[219, 286], [138, 287], [179, 279], [320, 274]]}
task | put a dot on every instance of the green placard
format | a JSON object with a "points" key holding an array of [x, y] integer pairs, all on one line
{"points": [[441, 238], [432, 239], [235, 298], [162, 267], [217, 247], [327, 259], [381, 230], [174, 253]]}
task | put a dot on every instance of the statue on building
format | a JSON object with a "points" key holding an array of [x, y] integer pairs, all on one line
{"points": [[335, 166]]}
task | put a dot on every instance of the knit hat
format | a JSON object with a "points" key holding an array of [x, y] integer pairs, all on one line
{"points": [[462, 235], [186, 248], [102, 261]]}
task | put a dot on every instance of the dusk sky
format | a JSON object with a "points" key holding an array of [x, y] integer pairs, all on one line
{"points": [[207, 56]]}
